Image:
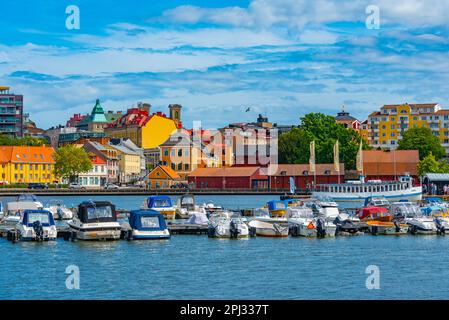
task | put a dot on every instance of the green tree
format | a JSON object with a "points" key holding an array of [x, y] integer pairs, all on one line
{"points": [[430, 165], [424, 141], [71, 161], [25, 141], [294, 145]]}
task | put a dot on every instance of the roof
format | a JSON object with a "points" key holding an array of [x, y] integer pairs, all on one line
{"points": [[344, 116], [298, 169], [437, 176], [169, 171], [125, 150], [25, 154], [97, 114], [413, 105], [225, 172], [381, 163]]}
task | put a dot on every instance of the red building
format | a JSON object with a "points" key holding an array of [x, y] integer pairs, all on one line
{"points": [[75, 119], [325, 173], [228, 178], [388, 165]]}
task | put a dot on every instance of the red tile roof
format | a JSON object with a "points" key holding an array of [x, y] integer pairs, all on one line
{"points": [[25, 154]]}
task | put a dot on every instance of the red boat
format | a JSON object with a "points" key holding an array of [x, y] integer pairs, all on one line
{"points": [[373, 213]]}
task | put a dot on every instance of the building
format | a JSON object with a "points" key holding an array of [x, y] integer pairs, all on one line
{"points": [[75, 119], [53, 133], [145, 130], [128, 144], [385, 128], [107, 154], [23, 164], [97, 176], [389, 165], [75, 137], [304, 179], [30, 129], [152, 157], [229, 178], [162, 177], [11, 113], [98, 120], [129, 163], [344, 118]]}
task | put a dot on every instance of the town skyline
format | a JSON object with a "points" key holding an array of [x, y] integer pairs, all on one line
{"points": [[283, 58]]}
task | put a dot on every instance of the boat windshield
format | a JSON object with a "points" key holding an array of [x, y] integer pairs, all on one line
{"points": [[299, 213], [150, 222], [162, 203], [187, 200], [38, 216], [99, 212]]}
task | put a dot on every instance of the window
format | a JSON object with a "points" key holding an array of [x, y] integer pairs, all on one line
{"points": [[392, 127], [403, 111], [186, 167], [392, 134], [186, 152], [173, 166], [179, 152], [172, 152], [179, 166], [165, 151]]}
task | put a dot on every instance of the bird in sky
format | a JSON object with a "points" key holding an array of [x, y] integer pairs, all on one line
{"points": [[248, 109]]}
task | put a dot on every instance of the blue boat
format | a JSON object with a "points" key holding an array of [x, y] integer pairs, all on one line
{"points": [[278, 208], [148, 224], [37, 225], [162, 204]]}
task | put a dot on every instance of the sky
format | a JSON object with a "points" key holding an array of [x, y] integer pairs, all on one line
{"points": [[280, 58]]}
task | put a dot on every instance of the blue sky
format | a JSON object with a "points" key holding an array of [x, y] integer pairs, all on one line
{"points": [[282, 58]]}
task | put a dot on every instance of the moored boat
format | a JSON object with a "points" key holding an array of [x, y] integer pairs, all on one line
{"points": [[35, 225], [411, 214], [224, 226], [59, 210], [267, 229], [147, 224], [186, 206], [162, 204], [95, 220]]}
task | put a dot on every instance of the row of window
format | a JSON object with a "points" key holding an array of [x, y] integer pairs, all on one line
{"points": [[174, 152], [178, 167], [31, 166], [415, 118], [30, 176]]}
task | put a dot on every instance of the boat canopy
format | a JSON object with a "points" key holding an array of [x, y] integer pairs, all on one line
{"points": [[373, 212], [146, 220], [188, 201], [376, 201], [159, 202], [31, 216], [299, 212], [405, 209], [432, 200], [96, 211], [432, 209]]}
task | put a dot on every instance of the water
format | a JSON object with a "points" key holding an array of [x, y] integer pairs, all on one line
{"points": [[196, 267]]}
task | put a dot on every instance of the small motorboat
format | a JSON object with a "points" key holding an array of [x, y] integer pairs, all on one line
{"points": [[262, 214], [411, 214], [348, 225], [440, 217], [162, 204], [147, 224], [13, 210], [268, 229], [375, 213], [394, 227], [35, 225], [59, 210], [278, 208], [329, 207], [211, 208], [223, 226], [376, 202], [95, 220], [186, 206]]}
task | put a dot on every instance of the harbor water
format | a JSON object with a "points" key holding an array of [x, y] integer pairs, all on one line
{"points": [[197, 267]]}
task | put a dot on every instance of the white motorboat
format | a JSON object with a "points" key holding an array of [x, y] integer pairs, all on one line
{"points": [[304, 222], [411, 214], [59, 210], [186, 206], [348, 224], [36, 225], [356, 192], [13, 210], [211, 208], [198, 218], [95, 220], [147, 225], [262, 214], [268, 229], [223, 226]]}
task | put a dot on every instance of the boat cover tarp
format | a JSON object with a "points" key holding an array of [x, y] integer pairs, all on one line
{"points": [[373, 212], [159, 202], [29, 216], [198, 218], [147, 220], [97, 211]]}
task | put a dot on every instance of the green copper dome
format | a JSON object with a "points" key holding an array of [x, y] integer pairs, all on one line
{"points": [[97, 114]]}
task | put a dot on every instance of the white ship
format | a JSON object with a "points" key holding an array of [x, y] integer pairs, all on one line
{"points": [[355, 193]]}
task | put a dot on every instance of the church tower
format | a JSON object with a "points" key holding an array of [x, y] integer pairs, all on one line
{"points": [[175, 112]]}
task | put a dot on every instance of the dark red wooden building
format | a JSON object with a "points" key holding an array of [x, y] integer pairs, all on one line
{"points": [[229, 178]]}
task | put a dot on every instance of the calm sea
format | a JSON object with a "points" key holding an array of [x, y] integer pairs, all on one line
{"points": [[196, 267]]}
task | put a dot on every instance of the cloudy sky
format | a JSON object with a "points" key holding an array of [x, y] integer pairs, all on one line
{"points": [[282, 58]]}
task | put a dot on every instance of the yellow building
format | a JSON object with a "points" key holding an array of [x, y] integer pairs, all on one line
{"points": [[129, 164], [385, 128], [23, 164], [145, 130]]}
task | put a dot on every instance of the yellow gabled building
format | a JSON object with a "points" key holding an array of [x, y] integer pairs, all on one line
{"points": [[23, 164], [146, 130]]}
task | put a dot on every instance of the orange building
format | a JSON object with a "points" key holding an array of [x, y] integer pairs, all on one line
{"points": [[23, 164], [162, 177]]}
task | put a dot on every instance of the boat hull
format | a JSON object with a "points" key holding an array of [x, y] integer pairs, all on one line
{"points": [[150, 235], [387, 228]]}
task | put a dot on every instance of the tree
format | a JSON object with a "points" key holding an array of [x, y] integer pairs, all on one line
{"points": [[430, 165], [25, 141], [424, 141], [294, 145], [71, 161]]}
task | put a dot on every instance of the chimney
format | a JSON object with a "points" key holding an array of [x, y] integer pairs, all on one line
{"points": [[143, 106]]}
